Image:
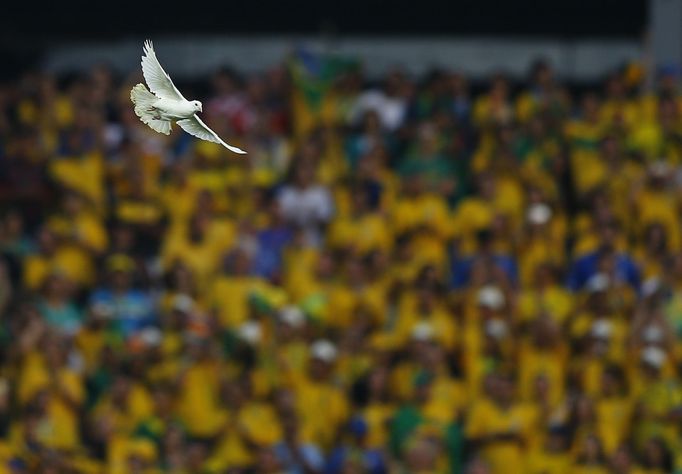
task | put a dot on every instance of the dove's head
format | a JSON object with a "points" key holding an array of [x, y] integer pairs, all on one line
{"points": [[197, 105]]}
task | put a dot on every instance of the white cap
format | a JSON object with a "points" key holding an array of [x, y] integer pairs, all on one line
{"points": [[423, 332], [324, 350], [652, 334], [250, 332], [598, 282], [538, 213], [496, 328], [650, 286], [654, 356], [491, 297], [151, 336], [292, 315], [183, 303], [602, 329]]}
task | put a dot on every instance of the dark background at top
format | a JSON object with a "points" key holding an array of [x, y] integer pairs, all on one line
{"points": [[112, 18], [28, 28]]}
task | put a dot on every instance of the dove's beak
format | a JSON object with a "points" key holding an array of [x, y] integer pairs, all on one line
{"points": [[201, 107]]}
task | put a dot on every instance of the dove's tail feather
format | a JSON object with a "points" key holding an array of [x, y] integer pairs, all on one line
{"points": [[144, 103]]}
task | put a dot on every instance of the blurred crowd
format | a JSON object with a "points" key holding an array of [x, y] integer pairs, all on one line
{"points": [[402, 276]]}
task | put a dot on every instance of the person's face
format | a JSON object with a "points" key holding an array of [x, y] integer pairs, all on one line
{"points": [[608, 235], [223, 84], [325, 266], [500, 89], [198, 227], [360, 201], [14, 224], [486, 186], [305, 175], [196, 457], [378, 380], [544, 76], [372, 123], [56, 287], [615, 87], [428, 139], [591, 449], [543, 275], [242, 263], [173, 439], [501, 389], [163, 402], [653, 452], [609, 384], [120, 390], [121, 280], [541, 387], [285, 401], [556, 442], [233, 393], [54, 352], [458, 84], [584, 409], [599, 346], [319, 369], [590, 108], [421, 457], [290, 427], [655, 236], [427, 299], [267, 461], [621, 461], [47, 241]]}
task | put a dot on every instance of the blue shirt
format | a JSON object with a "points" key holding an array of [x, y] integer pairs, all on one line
{"points": [[311, 453], [586, 267], [372, 461], [271, 243], [461, 269], [132, 310]]}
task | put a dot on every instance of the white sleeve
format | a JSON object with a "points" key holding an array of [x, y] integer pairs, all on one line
{"points": [[324, 210]]}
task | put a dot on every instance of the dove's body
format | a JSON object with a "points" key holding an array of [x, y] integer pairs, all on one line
{"points": [[169, 109], [165, 104]]}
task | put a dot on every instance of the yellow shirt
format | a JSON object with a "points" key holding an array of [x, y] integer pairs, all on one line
{"points": [[427, 211], [198, 402], [179, 202], [34, 376], [138, 406], [76, 259], [321, 408], [554, 301], [486, 418], [362, 234], [84, 174], [230, 296], [588, 469], [543, 462], [377, 416], [550, 363], [204, 257], [139, 212], [660, 207], [447, 401], [613, 421], [443, 325], [59, 429]]}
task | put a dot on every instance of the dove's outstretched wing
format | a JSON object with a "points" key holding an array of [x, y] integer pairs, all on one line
{"points": [[158, 80], [195, 126]]}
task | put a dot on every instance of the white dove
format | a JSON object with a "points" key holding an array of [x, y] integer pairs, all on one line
{"points": [[167, 104]]}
